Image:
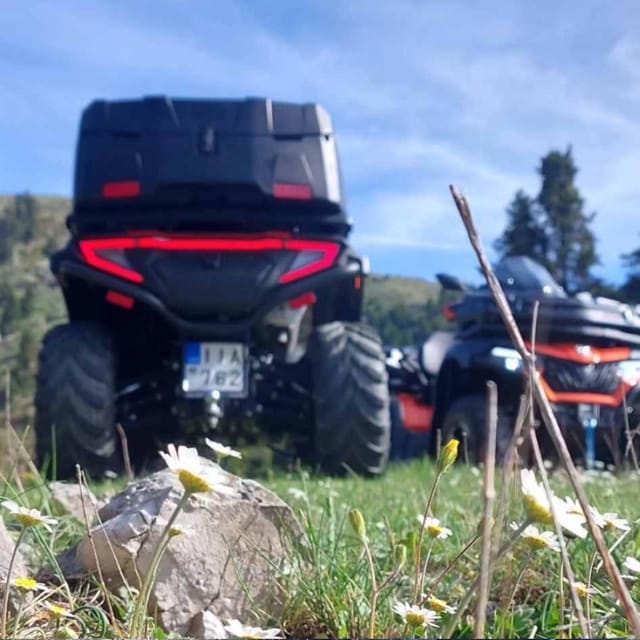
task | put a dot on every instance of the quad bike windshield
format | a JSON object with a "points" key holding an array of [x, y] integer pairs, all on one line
{"points": [[562, 318], [522, 274]]}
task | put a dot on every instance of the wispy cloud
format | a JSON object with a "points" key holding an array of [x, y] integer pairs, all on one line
{"points": [[422, 94]]}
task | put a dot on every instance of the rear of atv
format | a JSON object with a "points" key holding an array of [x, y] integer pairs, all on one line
{"points": [[212, 291]]}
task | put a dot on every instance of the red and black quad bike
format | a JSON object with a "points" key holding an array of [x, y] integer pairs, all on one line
{"points": [[209, 285], [587, 354]]}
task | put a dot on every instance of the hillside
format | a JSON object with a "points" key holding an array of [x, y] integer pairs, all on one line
{"points": [[403, 309], [32, 227]]}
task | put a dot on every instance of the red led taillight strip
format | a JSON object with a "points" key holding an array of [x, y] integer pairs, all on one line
{"points": [[90, 252], [327, 252]]}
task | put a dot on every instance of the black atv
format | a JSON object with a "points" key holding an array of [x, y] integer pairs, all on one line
{"points": [[209, 284], [587, 353]]}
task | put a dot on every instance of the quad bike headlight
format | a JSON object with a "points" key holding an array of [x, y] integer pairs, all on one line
{"points": [[511, 359]]}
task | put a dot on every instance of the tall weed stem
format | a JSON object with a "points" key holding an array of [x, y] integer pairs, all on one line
{"points": [[7, 586], [139, 616]]}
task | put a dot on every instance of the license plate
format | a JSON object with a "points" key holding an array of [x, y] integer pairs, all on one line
{"points": [[215, 366]]}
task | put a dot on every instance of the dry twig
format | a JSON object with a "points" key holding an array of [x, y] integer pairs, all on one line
{"points": [[487, 518], [547, 412]]}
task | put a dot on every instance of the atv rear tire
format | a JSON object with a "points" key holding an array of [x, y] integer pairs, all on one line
{"points": [[351, 399], [466, 421], [75, 401]]}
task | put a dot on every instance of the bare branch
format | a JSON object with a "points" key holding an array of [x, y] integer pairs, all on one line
{"points": [[547, 412]]}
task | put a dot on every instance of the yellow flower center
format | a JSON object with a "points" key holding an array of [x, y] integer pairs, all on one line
{"points": [[57, 612], [192, 482], [536, 511], [437, 605], [415, 619], [536, 542], [28, 584], [434, 530], [581, 589], [27, 520]]}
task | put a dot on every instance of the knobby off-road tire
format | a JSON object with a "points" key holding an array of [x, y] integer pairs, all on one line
{"points": [[466, 421], [351, 399], [75, 401]]}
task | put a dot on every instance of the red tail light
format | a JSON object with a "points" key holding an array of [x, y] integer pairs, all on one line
{"points": [[305, 300], [449, 313], [313, 257], [109, 254], [292, 191], [120, 300], [126, 189]]}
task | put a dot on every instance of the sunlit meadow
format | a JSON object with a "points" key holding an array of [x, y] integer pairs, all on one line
{"points": [[390, 557]]}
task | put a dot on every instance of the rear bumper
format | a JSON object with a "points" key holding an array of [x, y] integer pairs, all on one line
{"points": [[67, 266]]}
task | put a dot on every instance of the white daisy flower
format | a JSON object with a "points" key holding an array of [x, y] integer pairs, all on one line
{"points": [[297, 494], [56, 612], [195, 478], [434, 528], [632, 564], [28, 584], [611, 522], [439, 606], [28, 517], [538, 507], [574, 508], [221, 450], [608, 521], [582, 589], [416, 616], [239, 630], [536, 539]]}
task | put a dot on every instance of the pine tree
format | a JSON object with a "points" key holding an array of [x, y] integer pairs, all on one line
{"points": [[9, 310], [630, 290], [571, 250], [24, 217], [27, 353], [524, 235], [553, 229], [27, 304]]}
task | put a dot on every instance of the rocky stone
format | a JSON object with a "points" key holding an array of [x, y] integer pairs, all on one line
{"points": [[223, 565], [207, 625], [67, 498], [19, 569]]}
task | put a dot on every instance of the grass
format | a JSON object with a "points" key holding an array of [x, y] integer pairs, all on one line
{"points": [[331, 575], [528, 594]]}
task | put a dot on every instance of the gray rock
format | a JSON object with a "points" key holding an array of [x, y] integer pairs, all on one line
{"points": [[224, 566], [205, 625], [68, 499], [19, 569]]}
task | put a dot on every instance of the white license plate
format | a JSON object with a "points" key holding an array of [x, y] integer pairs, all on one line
{"points": [[215, 366]]}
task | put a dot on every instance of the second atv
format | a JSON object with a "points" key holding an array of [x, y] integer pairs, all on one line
{"points": [[587, 353], [209, 282]]}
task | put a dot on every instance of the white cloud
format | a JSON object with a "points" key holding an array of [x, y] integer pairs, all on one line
{"points": [[423, 94]]}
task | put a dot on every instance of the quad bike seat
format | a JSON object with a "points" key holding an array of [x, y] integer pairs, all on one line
{"points": [[433, 351]]}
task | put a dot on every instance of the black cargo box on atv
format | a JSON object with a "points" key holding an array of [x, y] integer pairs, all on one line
{"points": [[239, 162]]}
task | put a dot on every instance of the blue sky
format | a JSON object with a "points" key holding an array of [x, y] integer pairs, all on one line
{"points": [[422, 94]]}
